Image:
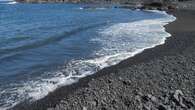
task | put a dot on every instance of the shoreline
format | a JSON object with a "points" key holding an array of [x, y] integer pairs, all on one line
{"points": [[169, 48]]}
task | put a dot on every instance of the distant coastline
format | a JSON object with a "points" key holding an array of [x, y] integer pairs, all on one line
{"points": [[140, 4]]}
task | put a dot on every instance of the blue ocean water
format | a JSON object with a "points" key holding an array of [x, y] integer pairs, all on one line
{"points": [[45, 46]]}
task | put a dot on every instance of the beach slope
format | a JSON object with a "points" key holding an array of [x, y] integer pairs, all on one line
{"points": [[159, 78]]}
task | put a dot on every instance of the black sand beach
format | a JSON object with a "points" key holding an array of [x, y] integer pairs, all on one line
{"points": [[161, 78]]}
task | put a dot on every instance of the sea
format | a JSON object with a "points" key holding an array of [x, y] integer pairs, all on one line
{"points": [[46, 46]]}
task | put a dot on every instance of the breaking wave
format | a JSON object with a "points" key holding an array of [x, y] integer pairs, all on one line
{"points": [[8, 2]]}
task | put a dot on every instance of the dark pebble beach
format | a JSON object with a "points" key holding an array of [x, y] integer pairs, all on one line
{"points": [[160, 78]]}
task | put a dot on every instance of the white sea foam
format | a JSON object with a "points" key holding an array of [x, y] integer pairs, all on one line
{"points": [[119, 44], [13, 2], [92, 8], [81, 8], [9, 2]]}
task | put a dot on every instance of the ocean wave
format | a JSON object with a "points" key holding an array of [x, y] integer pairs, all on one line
{"points": [[92, 8], [49, 40], [115, 39], [9, 2]]}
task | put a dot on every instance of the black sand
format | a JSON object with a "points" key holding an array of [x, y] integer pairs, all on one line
{"points": [[161, 78]]}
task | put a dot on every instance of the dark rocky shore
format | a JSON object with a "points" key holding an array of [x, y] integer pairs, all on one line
{"points": [[161, 78]]}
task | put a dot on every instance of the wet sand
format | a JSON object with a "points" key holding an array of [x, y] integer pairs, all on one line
{"points": [[159, 78]]}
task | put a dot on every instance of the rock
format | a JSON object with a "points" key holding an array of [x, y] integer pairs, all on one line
{"points": [[103, 108], [138, 99], [162, 107], [152, 98], [94, 102], [171, 7], [84, 108], [126, 102], [109, 81], [120, 78], [194, 91], [113, 102], [188, 103], [145, 107], [145, 98], [136, 92], [193, 68], [126, 82], [166, 99], [169, 101], [177, 96], [153, 4]]}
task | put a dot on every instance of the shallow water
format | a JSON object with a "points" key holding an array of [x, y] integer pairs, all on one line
{"points": [[45, 46]]}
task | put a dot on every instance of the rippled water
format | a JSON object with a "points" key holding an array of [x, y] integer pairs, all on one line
{"points": [[45, 46]]}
